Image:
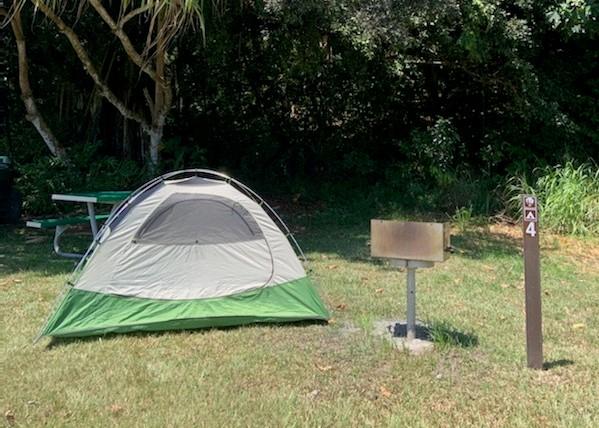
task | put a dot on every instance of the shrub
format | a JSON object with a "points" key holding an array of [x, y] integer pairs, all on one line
{"points": [[462, 218], [86, 171], [568, 197]]}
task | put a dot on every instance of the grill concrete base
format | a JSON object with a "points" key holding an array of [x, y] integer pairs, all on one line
{"points": [[395, 332]]}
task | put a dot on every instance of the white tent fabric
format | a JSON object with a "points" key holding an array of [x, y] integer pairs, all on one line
{"points": [[167, 248]]}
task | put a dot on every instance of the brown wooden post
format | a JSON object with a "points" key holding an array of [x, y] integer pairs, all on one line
{"points": [[532, 282]]}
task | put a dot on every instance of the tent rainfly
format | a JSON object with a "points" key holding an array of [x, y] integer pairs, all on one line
{"points": [[189, 249]]}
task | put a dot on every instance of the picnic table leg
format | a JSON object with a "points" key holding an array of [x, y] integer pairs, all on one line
{"points": [[92, 218], [57, 234]]}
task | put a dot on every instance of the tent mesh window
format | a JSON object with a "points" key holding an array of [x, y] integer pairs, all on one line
{"points": [[197, 219]]}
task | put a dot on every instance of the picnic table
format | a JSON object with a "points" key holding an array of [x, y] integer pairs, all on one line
{"points": [[60, 225], [92, 198]]}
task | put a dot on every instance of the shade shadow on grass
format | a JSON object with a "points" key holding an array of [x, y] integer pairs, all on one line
{"points": [[480, 245], [444, 334], [28, 250], [352, 243], [56, 342], [548, 365]]}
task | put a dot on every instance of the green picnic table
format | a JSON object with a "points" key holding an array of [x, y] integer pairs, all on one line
{"points": [[91, 198], [60, 225], [104, 197]]}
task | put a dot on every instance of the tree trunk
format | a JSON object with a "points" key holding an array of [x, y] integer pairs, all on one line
{"points": [[33, 114], [155, 141], [126, 146], [88, 65], [162, 97], [161, 103]]}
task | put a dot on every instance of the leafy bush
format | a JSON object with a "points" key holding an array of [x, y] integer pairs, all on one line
{"points": [[39, 179], [87, 171], [568, 197], [462, 218]]}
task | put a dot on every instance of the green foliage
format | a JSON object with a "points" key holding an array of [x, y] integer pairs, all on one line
{"points": [[425, 104], [568, 197], [39, 179], [574, 16], [86, 171], [462, 218], [181, 156]]}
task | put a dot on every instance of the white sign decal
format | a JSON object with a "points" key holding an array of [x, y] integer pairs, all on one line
{"points": [[530, 215], [530, 202]]}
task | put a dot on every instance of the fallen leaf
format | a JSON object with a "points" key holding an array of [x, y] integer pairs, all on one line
{"points": [[341, 306], [379, 290], [332, 321], [10, 416], [331, 267], [385, 392], [116, 409], [313, 394], [578, 326], [17, 281], [324, 368]]}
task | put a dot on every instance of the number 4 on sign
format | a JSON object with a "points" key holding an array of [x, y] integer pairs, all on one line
{"points": [[530, 230]]}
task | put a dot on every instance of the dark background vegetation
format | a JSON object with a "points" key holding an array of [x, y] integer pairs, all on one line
{"points": [[426, 104]]}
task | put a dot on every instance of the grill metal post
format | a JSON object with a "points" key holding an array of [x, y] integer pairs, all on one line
{"points": [[411, 304]]}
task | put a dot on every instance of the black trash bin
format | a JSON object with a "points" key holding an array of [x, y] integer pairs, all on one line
{"points": [[10, 198]]}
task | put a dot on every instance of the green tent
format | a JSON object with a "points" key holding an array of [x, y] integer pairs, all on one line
{"points": [[189, 249]]}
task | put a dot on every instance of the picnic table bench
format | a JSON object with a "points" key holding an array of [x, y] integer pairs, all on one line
{"points": [[62, 224]]}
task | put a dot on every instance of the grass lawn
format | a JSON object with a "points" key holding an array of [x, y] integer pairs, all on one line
{"points": [[315, 374]]}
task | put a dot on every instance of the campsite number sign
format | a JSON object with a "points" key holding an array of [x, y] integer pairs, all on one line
{"points": [[532, 282], [530, 215]]}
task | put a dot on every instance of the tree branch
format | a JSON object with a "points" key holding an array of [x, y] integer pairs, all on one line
{"points": [[88, 65], [134, 13], [117, 29], [163, 93], [33, 114]]}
